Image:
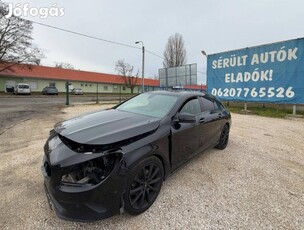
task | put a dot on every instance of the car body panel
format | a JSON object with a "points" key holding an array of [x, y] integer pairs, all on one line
{"points": [[106, 127], [184, 143], [126, 139]]}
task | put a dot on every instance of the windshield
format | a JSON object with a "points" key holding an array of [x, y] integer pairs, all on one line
{"points": [[154, 105]]}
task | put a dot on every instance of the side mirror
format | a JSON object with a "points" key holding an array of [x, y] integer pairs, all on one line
{"points": [[186, 118]]}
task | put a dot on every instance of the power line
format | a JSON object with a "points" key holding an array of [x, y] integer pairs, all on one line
{"points": [[155, 54], [84, 35], [92, 37]]}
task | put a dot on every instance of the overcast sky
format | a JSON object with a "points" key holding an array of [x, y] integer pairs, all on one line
{"points": [[210, 25]]}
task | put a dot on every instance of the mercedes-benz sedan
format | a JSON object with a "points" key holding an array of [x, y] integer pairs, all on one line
{"points": [[103, 163]]}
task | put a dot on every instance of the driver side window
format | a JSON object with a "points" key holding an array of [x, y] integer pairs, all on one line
{"points": [[192, 107]]}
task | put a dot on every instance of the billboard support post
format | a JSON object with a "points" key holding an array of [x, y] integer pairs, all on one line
{"points": [[294, 110]]}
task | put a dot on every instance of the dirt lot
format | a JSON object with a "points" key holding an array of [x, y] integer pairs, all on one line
{"points": [[256, 183]]}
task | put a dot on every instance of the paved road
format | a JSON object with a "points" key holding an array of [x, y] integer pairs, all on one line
{"points": [[15, 109]]}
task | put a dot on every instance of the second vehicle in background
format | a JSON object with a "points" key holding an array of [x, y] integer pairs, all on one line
{"points": [[50, 90], [22, 88], [77, 91]]}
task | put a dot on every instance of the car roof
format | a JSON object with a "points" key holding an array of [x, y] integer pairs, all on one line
{"points": [[179, 93], [184, 94]]}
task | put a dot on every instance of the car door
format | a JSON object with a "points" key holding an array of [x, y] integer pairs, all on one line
{"points": [[220, 120], [209, 124], [184, 138]]}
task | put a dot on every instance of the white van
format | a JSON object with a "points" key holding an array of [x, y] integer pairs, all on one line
{"points": [[22, 88]]}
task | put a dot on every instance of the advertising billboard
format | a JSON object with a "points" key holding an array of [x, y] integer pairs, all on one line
{"points": [[178, 76], [268, 73]]}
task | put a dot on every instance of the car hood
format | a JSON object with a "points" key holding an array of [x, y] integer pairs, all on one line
{"points": [[106, 127]]}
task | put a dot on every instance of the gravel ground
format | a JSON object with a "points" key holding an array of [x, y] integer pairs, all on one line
{"points": [[257, 182]]}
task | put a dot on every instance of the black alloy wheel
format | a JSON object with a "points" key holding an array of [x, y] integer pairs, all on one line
{"points": [[144, 185], [223, 138]]}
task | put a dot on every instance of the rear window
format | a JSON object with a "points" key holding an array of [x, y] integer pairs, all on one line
{"points": [[207, 104], [218, 105], [23, 86]]}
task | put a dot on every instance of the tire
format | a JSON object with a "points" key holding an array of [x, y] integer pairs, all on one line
{"points": [[224, 138], [144, 185]]}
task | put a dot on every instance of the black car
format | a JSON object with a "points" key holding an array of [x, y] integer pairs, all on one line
{"points": [[103, 163]]}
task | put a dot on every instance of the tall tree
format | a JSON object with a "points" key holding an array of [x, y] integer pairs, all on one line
{"points": [[16, 45], [126, 71], [175, 52]]}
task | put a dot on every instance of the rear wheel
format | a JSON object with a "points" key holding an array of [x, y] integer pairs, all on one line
{"points": [[223, 138], [144, 185]]}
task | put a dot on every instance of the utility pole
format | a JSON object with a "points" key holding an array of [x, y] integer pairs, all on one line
{"points": [[143, 66], [143, 69]]}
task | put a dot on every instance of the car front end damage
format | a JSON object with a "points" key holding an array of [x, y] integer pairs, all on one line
{"points": [[82, 182], [86, 160]]}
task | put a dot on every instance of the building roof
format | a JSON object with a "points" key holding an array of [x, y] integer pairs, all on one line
{"points": [[31, 71], [196, 87]]}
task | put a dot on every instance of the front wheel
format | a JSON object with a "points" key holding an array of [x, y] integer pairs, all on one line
{"points": [[223, 142], [144, 185]]}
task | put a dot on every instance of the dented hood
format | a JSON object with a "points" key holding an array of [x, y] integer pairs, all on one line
{"points": [[106, 127]]}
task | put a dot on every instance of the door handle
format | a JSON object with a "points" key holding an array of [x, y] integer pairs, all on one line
{"points": [[220, 115]]}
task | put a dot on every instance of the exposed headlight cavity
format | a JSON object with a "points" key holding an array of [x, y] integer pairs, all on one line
{"points": [[92, 171]]}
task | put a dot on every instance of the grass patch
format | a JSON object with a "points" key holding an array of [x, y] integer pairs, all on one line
{"points": [[266, 112]]}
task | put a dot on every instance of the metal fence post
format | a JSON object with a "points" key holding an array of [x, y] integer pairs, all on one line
{"points": [[67, 102], [97, 99]]}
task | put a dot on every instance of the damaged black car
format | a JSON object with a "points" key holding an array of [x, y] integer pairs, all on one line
{"points": [[115, 160]]}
